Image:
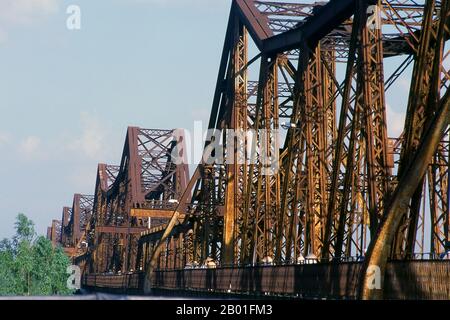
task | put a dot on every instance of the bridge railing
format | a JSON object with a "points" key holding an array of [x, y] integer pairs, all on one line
{"points": [[123, 282], [312, 280], [420, 279]]}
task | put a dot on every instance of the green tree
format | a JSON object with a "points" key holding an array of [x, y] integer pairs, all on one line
{"points": [[30, 265], [7, 276], [24, 229], [23, 266], [49, 270]]}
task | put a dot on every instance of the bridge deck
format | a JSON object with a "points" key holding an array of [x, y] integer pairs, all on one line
{"points": [[404, 280]]}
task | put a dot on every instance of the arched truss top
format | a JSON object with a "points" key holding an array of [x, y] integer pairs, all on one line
{"points": [[147, 167], [54, 232], [279, 27], [75, 219], [106, 175], [66, 216], [134, 195]]}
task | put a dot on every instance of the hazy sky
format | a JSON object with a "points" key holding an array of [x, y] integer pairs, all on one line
{"points": [[67, 97]]}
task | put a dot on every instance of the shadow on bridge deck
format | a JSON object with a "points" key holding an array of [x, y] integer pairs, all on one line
{"points": [[95, 296]]}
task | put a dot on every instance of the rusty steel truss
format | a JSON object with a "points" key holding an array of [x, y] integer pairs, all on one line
{"points": [[74, 221], [312, 77]]}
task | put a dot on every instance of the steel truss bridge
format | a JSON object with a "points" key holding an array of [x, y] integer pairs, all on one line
{"points": [[350, 212]]}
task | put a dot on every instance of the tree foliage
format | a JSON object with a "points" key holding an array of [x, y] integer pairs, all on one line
{"points": [[29, 265]]}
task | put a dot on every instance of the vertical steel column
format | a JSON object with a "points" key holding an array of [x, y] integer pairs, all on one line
{"points": [[289, 230], [424, 92], [236, 172], [373, 101], [344, 154], [262, 187]]}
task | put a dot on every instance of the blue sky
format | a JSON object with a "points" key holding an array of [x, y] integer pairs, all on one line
{"points": [[67, 97]]}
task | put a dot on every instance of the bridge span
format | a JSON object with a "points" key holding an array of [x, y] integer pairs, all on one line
{"points": [[322, 181]]}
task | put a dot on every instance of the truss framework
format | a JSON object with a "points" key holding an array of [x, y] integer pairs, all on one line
{"points": [[337, 169]]}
